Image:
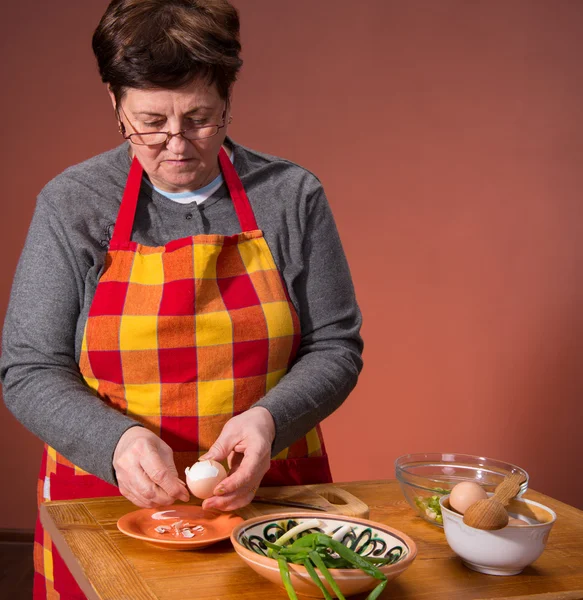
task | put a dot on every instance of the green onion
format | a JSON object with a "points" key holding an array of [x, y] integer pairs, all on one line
{"points": [[311, 524], [293, 557], [354, 558], [272, 546], [310, 569], [335, 563], [318, 562], [285, 576], [303, 542], [378, 590], [315, 551]]}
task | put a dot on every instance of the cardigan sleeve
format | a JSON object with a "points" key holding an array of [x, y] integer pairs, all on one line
{"points": [[42, 385]]}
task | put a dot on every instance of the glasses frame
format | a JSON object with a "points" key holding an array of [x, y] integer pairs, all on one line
{"points": [[169, 135]]}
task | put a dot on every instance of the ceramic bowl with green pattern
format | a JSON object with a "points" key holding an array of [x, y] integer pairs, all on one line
{"points": [[366, 538]]}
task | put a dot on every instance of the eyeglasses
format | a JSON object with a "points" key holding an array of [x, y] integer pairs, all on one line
{"points": [[157, 138]]}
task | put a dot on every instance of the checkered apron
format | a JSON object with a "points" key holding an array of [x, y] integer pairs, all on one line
{"points": [[181, 337]]}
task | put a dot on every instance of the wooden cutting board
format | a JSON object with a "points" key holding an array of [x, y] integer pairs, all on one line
{"points": [[326, 495]]}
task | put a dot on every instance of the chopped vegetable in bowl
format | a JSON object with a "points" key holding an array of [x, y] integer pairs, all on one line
{"points": [[430, 506]]}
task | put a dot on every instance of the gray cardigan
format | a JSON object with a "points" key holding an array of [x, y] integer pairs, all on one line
{"points": [[63, 258]]}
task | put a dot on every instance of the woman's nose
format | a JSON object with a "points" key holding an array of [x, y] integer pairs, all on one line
{"points": [[177, 144]]}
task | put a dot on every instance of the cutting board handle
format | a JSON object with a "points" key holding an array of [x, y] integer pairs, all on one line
{"points": [[342, 500]]}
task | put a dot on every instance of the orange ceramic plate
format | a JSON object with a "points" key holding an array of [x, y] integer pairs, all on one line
{"points": [[217, 526]]}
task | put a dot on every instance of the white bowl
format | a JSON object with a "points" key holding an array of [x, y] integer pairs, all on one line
{"points": [[504, 551]]}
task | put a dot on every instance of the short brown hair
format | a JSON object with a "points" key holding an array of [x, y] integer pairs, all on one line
{"points": [[168, 43]]}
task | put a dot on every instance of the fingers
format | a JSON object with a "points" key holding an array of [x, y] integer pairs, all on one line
{"points": [[235, 459], [246, 441], [139, 489], [145, 470], [147, 495], [240, 487], [221, 449], [158, 465], [247, 471], [137, 486], [254, 426]]}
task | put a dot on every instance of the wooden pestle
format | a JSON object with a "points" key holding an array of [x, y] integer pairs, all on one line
{"points": [[490, 513]]}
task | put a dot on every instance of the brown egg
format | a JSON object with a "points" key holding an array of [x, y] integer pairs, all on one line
{"points": [[203, 477], [517, 522], [464, 494]]}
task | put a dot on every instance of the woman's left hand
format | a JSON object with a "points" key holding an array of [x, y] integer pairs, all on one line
{"points": [[246, 442]]}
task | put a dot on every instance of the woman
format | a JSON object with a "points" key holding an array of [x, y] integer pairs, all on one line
{"points": [[177, 296]]}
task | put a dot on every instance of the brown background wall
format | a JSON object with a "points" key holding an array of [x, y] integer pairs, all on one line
{"points": [[449, 137]]}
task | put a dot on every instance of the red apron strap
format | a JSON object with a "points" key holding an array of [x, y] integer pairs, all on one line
{"points": [[238, 195], [122, 231]]}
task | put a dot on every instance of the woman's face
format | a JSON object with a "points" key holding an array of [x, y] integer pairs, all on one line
{"points": [[179, 165]]}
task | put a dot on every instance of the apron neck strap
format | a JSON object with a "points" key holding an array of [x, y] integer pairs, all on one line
{"points": [[122, 231], [238, 194]]}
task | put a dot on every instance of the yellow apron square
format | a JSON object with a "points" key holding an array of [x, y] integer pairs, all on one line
{"points": [[256, 256], [148, 269], [205, 260], [279, 320], [143, 399], [214, 329], [138, 333], [215, 397]]}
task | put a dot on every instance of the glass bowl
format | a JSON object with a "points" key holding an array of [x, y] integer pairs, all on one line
{"points": [[425, 478]]}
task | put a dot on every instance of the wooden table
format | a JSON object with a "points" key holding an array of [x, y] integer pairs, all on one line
{"points": [[111, 566]]}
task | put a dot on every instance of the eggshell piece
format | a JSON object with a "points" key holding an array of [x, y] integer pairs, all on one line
{"points": [[464, 494]]}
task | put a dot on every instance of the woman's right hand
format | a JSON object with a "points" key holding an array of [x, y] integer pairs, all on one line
{"points": [[145, 470]]}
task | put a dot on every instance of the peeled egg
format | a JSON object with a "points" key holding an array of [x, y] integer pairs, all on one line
{"points": [[464, 494], [203, 477]]}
